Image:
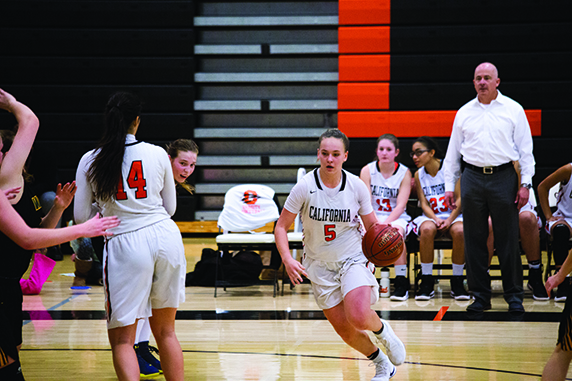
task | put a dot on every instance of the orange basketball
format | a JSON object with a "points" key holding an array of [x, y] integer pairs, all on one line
{"points": [[382, 245]]}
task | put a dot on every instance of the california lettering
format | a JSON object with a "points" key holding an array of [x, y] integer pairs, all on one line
{"points": [[434, 190], [384, 191], [329, 215]]}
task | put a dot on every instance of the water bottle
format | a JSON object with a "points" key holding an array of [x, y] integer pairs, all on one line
{"points": [[384, 283]]}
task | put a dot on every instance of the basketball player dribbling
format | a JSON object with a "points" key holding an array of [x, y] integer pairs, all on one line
{"points": [[389, 184], [331, 202], [144, 263]]}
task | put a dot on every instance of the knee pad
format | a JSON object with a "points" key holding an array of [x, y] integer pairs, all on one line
{"points": [[560, 244]]}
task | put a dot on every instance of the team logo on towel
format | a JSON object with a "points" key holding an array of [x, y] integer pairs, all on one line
{"points": [[250, 197]]}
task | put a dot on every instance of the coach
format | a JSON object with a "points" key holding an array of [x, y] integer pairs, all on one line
{"points": [[489, 134]]}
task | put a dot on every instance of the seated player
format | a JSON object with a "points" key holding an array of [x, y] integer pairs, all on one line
{"points": [[437, 219], [390, 185], [558, 223]]}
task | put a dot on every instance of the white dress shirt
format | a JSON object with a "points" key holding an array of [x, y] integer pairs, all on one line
{"points": [[489, 135]]}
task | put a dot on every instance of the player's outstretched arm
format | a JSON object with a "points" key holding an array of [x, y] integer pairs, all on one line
{"points": [[294, 268], [16, 229]]}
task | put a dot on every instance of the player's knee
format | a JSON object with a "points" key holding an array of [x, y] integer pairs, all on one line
{"points": [[427, 231], [528, 222]]}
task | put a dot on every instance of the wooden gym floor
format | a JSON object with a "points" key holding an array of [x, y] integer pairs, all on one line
{"points": [[246, 334]]}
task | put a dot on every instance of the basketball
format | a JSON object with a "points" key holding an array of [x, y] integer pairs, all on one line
{"points": [[382, 245]]}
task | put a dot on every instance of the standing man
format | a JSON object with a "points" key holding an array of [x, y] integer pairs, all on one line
{"points": [[489, 133]]}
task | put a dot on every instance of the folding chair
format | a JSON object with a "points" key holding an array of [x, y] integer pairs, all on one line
{"points": [[247, 207]]}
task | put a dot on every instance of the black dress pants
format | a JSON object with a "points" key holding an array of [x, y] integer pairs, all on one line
{"points": [[483, 195]]}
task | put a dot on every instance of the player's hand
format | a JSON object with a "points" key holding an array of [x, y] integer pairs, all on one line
{"points": [[554, 281], [11, 193], [553, 218], [295, 271], [450, 200], [98, 226], [64, 195], [522, 197], [445, 225]]}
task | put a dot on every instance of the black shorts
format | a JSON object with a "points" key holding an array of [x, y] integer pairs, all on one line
{"points": [[565, 328], [10, 316]]}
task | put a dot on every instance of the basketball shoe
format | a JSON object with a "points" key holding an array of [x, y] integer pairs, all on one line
{"points": [[384, 369], [393, 345], [458, 291], [401, 289], [536, 285], [426, 289], [149, 365]]}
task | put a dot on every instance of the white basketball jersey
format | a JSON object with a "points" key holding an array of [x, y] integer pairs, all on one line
{"points": [[330, 217], [434, 191], [384, 191], [147, 183], [564, 206]]}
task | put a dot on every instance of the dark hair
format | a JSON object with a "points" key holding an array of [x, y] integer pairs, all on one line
{"points": [[182, 145], [430, 144], [104, 173], [335, 133], [7, 137]]}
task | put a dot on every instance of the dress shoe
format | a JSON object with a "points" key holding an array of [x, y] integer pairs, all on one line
{"points": [[479, 306], [515, 307]]}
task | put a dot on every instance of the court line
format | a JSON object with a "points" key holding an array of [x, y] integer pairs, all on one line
{"points": [[306, 356], [52, 308], [441, 313]]}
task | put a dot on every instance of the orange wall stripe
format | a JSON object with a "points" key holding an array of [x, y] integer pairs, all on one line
{"points": [[363, 39], [363, 96], [362, 12], [364, 68], [410, 124]]}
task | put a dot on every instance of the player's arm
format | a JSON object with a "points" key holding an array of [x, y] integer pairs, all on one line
{"points": [[455, 213], [16, 229], [15, 159], [294, 268], [64, 197], [169, 192], [561, 175], [82, 208], [559, 277], [369, 220], [402, 198], [365, 176], [425, 207]]}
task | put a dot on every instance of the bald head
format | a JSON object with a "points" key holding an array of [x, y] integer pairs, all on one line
{"points": [[486, 81]]}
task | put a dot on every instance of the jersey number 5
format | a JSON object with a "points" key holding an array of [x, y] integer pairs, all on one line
{"points": [[329, 232], [135, 180]]}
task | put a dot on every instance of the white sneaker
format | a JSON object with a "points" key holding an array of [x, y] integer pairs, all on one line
{"points": [[384, 369], [394, 346]]}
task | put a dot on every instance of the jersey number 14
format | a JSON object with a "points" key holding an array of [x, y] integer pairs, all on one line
{"points": [[135, 180]]}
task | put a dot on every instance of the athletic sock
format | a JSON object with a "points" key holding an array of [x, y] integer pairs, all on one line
{"points": [[400, 270], [380, 331], [373, 355], [458, 269], [534, 264], [427, 268]]}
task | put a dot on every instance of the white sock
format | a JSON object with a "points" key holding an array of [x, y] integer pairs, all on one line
{"points": [[400, 270], [458, 270], [427, 268]]}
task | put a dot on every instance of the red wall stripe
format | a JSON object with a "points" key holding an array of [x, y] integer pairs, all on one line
{"points": [[364, 12], [363, 39], [364, 68], [363, 96], [410, 124]]}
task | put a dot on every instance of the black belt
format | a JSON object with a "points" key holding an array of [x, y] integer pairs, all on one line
{"points": [[488, 170]]}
